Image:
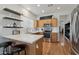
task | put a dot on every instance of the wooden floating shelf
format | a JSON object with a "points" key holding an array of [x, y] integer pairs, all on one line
{"points": [[12, 11], [11, 27], [9, 18]]}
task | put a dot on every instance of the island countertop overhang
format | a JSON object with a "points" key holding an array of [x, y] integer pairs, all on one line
{"points": [[26, 38]]}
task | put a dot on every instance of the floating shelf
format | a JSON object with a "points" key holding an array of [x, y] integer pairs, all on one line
{"points": [[9, 18], [12, 11], [11, 27]]}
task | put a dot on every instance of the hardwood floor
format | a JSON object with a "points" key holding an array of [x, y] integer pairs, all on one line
{"points": [[55, 49]]}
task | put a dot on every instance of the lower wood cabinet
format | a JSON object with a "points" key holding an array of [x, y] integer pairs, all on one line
{"points": [[39, 47], [36, 48], [54, 37]]}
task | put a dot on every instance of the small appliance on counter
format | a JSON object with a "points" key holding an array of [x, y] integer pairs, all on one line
{"points": [[14, 24], [15, 32]]}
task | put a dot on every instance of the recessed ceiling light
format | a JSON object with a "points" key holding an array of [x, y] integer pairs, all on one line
{"points": [[28, 9], [38, 5], [58, 8], [43, 11]]}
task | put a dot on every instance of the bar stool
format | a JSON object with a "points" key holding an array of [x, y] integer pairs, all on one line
{"points": [[5, 46], [18, 48]]}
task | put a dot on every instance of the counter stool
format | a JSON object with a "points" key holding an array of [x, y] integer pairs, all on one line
{"points": [[18, 48], [5, 46]]}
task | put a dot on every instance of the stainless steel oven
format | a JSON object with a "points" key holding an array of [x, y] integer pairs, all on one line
{"points": [[75, 29], [47, 30]]}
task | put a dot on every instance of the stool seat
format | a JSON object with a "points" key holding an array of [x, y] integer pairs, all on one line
{"points": [[22, 46], [18, 48], [5, 44]]}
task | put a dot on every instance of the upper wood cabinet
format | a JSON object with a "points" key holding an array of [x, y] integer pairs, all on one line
{"points": [[40, 23], [54, 22]]}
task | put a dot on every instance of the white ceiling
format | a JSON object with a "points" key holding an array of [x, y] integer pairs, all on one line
{"points": [[51, 9]]}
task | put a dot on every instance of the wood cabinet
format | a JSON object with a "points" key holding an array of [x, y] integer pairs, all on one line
{"points": [[39, 46], [36, 48], [54, 37], [54, 22], [42, 22]]}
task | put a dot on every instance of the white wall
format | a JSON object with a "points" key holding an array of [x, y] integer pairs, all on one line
{"points": [[27, 24], [28, 14], [28, 20]]}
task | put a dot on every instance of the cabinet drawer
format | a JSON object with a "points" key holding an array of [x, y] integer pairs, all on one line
{"points": [[54, 37]]}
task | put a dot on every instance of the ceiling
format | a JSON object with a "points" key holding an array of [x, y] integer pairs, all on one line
{"points": [[42, 9]]}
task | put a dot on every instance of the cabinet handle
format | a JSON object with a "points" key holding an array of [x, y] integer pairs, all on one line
{"points": [[37, 46]]}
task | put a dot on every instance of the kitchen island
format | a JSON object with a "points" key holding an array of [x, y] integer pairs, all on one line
{"points": [[32, 41]]}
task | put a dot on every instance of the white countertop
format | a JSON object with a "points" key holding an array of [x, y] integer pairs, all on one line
{"points": [[27, 38], [54, 29]]}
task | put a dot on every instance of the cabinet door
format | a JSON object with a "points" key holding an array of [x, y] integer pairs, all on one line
{"points": [[42, 22], [54, 37], [54, 22]]}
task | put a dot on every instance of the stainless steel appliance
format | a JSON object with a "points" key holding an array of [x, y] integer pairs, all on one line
{"points": [[47, 30], [75, 30]]}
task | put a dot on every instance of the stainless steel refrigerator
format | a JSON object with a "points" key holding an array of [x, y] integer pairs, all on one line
{"points": [[75, 30]]}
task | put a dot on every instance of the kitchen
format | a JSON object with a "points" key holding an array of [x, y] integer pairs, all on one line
{"points": [[36, 29]]}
